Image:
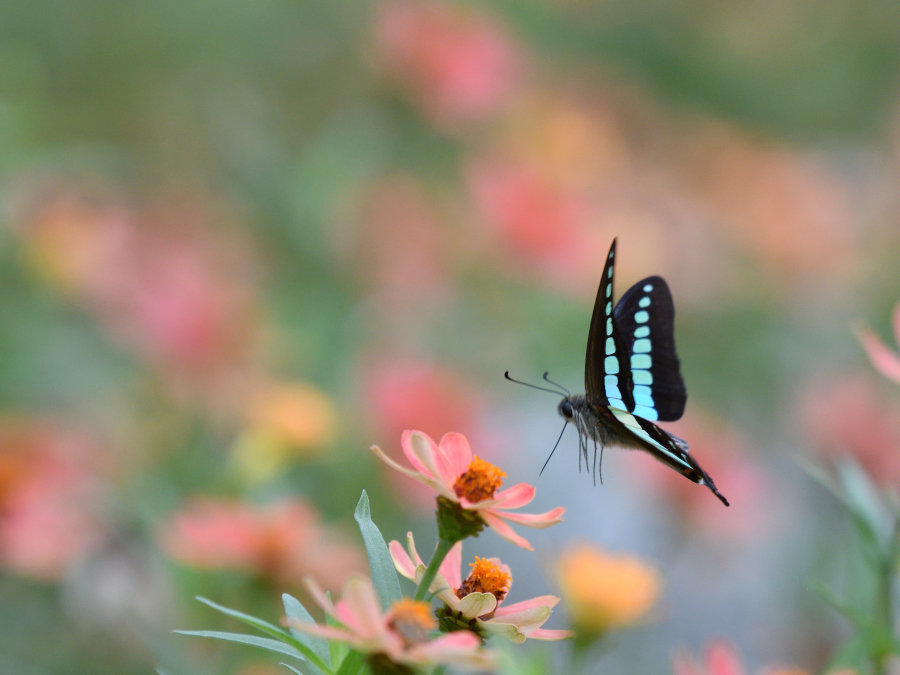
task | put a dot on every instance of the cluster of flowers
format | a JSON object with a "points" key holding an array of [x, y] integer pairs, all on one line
{"points": [[374, 625]]}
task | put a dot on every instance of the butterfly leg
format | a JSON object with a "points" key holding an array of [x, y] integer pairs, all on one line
{"points": [[594, 470], [600, 468]]}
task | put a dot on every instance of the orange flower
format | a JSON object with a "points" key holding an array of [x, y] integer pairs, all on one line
{"points": [[284, 541], [287, 420], [604, 591], [477, 600], [469, 484]]}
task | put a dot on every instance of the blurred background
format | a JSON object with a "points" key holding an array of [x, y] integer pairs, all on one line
{"points": [[241, 242]]}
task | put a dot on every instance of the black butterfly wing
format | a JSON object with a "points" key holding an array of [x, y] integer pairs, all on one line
{"points": [[607, 367], [645, 317]]}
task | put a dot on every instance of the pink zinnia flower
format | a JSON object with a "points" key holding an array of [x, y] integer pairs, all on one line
{"points": [[476, 600], [401, 635], [284, 541], [885, 360], [722, 659], [469, 483], [458, 65]]}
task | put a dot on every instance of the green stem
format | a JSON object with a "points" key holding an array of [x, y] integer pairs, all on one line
{"points": [[886, 595], [443, 548]]}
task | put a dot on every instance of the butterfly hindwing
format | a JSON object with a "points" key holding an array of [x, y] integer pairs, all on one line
{"points": [[607, 371], [645, 317]]}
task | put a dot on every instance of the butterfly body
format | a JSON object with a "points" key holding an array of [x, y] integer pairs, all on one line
{"points": [[632, 377]]}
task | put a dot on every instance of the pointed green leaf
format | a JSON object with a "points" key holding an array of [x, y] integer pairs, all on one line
{"points": [[257, 623], [384, 576], [264, 643], [292, 669], [351, 664], [295, 611], [306, 652]]}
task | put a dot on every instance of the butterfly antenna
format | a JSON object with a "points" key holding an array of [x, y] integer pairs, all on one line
{"points": [[555, 384], [533, 386], [565, 424]]}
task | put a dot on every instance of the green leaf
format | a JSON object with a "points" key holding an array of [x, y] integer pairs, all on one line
{"points": [[257, 623], [384, 576], [292, 669], [305, 651], [295, 611], [264, 643], [351, 664]]}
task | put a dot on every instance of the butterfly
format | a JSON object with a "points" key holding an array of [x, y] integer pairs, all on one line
{"points": [[632, 377]]}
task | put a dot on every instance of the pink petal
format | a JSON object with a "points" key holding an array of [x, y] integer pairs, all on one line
{"points": [[723, 660], [512, 498], [885, 361], [423, 448], [359, 609], [402, 561], [526, 620], [536, 520], [406, 445], [458, 453], [504, 530], [329, 632], [462, 640], [317, 594], [550, 634], [445, 467], [540, 601], [435, 485], [450, 568]]}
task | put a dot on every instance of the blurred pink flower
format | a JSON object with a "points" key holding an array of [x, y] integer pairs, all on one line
{"points": [[885, 359], [284, 541], [479, 596], [408, 393], [470, 483], [542, 220], [164, 280], [848, 414], [458, 64], [724, 455], [402, 635], [50, 496], [722, 659]]}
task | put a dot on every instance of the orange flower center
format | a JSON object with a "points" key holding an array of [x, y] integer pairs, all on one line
{"points": [[479, 482], [412, 621], [485, 577]]}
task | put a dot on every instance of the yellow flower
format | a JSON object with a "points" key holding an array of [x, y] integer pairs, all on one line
{"points": [[605, 591]]}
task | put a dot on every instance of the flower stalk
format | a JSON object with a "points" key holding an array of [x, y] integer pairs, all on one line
{"points": [[440, 552]]}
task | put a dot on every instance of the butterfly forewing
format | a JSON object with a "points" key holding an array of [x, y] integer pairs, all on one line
{"points": [[607, 369], [645, 317]]}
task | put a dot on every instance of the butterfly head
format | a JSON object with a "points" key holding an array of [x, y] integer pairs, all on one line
{"points": [[565, 409]]}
